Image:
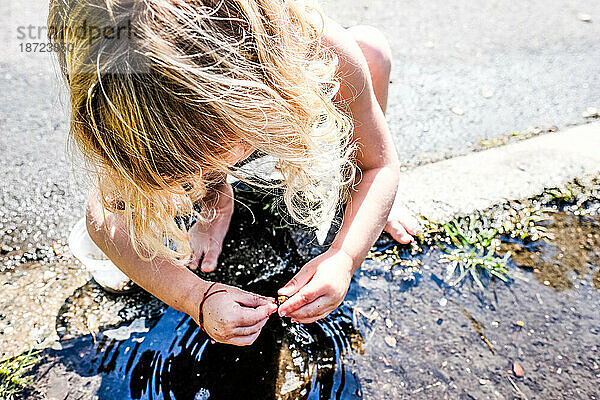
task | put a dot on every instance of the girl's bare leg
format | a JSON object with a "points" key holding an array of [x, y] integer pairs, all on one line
{"points": [[206, 239], [376, 49]]}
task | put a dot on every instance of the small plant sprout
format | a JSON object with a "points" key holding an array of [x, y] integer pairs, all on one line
{"points": [[473, 262], [474, 252], [399, 257], [12, 371], [524, 224], [566, 194]]}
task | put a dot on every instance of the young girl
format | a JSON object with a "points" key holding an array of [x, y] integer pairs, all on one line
{"points": [[168, 95]]}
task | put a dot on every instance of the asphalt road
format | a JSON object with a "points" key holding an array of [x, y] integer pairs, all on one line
{"points": [[500, 65], [507, 65]]}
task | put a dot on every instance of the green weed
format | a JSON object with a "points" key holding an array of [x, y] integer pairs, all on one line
{"points": [[12, 374], [399, 257], [473, 252], [524, 224], [473, 262]]}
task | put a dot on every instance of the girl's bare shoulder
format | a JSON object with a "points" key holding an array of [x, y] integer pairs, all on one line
{"points": [[352, 69]]}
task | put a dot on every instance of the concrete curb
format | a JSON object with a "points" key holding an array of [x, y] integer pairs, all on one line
{"points": [[479, 180]]}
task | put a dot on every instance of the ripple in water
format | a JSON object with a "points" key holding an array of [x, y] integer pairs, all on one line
{"points": [[175, 360]]}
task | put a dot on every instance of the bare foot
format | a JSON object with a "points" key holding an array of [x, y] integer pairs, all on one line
{"points": [[206, 240], [401, 224]]}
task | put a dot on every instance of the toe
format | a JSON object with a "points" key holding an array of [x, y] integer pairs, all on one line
{"points": [[398, 232], [209, 262], [194, 261], [208, 266], [404, 217], [411, 225]]}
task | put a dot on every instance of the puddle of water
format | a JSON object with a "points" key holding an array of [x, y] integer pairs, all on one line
{"points": [[444, 337], [571, 253], [174, 360]]}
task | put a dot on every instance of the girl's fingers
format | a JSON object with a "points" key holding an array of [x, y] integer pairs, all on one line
{"points": [[310, 310], [199, 250], [311, 319], [253, 316], [406, 218], [409, 222], [305, 296], [298, 281], [195, 259], [244, 340], [247, 299], [411, 225], [250, 330]]}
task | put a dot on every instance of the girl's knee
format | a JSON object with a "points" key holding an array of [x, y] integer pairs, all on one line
{"points": [[374, 45]]}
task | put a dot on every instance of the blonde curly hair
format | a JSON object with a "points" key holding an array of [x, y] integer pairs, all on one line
{"points": [[161, 91]]}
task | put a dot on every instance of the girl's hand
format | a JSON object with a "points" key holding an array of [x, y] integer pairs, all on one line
{"points": [[235, 316], [206, 240], [318, 288]]}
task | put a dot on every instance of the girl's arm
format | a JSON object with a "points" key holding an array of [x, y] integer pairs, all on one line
{"points": [[234, 317], [321, 284]]}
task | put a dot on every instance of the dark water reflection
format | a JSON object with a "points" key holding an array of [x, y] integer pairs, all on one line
{"points": [[175, 360]]}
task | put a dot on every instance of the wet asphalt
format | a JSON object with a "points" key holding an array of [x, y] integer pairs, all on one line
{"points": [[503, 66]]}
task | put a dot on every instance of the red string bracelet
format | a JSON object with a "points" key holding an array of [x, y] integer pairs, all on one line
{"points": [[206, 296]]}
